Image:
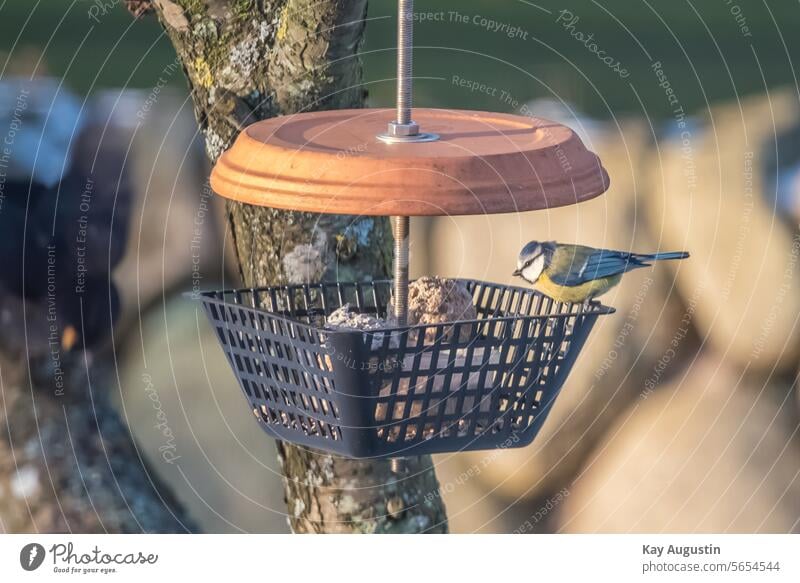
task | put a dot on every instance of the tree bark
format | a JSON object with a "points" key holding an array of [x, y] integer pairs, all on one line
{"points": [[248, 60], [67, 461]]}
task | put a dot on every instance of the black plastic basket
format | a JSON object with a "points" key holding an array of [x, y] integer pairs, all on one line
{"points": [[394, 392]]}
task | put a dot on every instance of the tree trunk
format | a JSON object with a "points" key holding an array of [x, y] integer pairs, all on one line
{"points": [[248, 60]]}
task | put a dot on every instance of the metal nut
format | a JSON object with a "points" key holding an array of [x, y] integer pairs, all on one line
{"points": [[403, 129]]}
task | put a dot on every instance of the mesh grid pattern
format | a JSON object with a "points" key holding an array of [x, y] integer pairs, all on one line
{"points": [[475, 384]]}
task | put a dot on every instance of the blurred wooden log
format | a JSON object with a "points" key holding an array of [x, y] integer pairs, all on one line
{"points": [[706, 195], [175, 238], [712, 452]]}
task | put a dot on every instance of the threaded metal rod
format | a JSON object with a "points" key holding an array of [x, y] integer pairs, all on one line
{"points": [[405, 59], [403, 129], [403, 126], [400, 227]]}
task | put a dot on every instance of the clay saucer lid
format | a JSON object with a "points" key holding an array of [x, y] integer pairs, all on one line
{"points": [[483, 163]]}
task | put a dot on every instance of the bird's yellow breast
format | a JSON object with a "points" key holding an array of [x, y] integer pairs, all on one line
{"points": [[575, 293]]}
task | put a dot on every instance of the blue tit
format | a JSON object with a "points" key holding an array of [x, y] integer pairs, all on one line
{"points": [[575, 273]]}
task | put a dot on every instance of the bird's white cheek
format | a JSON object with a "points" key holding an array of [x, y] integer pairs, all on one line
{"points": [[534, 270]]}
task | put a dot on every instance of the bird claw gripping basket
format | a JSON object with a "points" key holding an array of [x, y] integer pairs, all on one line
{"points": [[398, 391]]}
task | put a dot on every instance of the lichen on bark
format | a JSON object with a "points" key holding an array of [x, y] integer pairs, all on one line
{"points": [[248, 60]]}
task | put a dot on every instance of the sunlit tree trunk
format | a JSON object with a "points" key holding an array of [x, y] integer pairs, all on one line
{"points": [[248, 60]]}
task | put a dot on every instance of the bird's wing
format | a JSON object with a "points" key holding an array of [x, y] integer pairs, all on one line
{"points": [[576, 264]]}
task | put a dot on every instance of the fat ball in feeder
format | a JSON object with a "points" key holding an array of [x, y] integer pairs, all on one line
{"points": [[392, 388]]}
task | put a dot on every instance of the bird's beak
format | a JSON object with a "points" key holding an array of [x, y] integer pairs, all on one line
{"points": [[517, 273]]}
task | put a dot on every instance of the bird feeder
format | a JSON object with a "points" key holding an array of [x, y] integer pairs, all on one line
{"points": [[404, 389]]}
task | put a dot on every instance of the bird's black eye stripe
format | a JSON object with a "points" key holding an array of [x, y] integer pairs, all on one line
{"points": [[530, 261]]}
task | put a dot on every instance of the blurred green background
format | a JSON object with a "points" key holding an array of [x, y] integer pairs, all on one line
{"points": [[703, 46]]}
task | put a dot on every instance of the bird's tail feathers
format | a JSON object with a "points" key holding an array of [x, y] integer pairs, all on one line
{"points": [[665, 256]]}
